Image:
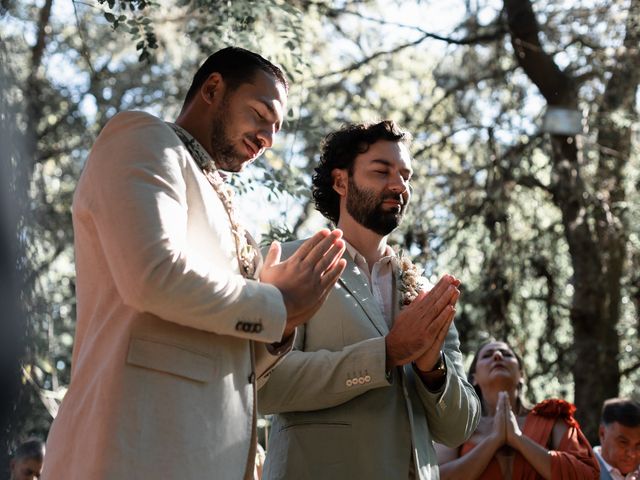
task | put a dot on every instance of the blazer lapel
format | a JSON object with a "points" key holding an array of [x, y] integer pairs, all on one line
{"points": [[358, 285]]}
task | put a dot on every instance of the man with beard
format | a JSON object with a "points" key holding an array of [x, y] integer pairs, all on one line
{"points": [[177, 316], [376, 375]]}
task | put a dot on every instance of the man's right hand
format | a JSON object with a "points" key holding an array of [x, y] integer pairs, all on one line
{"points": [[419, 330], [306, 278]]}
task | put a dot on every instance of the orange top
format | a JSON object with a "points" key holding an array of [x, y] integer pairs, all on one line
{"points": [[574, 459]]}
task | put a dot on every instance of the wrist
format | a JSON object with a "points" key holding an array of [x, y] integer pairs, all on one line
{"points": [[514, 440], [435, 377], [495, 441], [439, 367]]}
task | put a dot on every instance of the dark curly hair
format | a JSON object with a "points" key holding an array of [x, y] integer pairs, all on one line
{"points": [[339, 149]]}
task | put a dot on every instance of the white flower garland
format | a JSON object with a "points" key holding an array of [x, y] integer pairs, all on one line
{"points": [[245, 252]]}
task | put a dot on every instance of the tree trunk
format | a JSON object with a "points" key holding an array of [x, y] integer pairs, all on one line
{"points": [[594, 226]]}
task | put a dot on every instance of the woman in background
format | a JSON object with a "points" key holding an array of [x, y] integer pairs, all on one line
{"points": [[512, 441]]}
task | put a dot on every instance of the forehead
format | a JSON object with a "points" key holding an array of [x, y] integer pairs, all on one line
{"points": [[493, 346], [616, 429], [385, 152]]}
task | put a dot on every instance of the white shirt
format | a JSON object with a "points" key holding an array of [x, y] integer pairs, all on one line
{"points": [[380, 277], [613, 471]]}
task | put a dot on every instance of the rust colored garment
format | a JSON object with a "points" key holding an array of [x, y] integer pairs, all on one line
{"points": [[573, 460]]}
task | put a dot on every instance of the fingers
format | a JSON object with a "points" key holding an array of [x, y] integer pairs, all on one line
{"points": [[273, 255], [314, 248], [439, 289], [436, 301], [330, 277], [331, 257], [438, 329]]}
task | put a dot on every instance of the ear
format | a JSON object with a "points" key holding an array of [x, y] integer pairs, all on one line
{"points": [[340, 180], [212, 88]]}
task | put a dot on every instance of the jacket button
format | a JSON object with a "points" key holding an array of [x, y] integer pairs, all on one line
{"points": [[361, 380], [367, 378], [348, 382]]}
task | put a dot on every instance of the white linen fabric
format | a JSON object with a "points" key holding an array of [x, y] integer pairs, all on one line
{"points": [[163, 373]]}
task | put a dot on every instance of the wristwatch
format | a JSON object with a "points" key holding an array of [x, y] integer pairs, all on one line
{"points": [[434, 378], [440, 369]]}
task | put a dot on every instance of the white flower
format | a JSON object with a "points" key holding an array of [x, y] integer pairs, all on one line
{"points": [[410, 280]]}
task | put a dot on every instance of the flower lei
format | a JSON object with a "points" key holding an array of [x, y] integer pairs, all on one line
{"points": [[245, 252], [410, 280]]}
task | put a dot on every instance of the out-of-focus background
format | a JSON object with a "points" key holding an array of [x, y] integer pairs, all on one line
{"points": [[526, 148]]}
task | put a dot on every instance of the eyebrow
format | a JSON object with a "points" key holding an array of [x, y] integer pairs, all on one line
{"points": [[498, 349]]}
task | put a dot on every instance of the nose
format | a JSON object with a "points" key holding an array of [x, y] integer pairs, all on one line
{"points": [[398, 184], [266, 138], [497, 355]]}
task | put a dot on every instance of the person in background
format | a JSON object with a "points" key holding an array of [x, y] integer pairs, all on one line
{"points": [[619, 449], [513, 441], [26, 463]]}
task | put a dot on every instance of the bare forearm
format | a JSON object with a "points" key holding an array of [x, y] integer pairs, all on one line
{"points": [[471, 465]]}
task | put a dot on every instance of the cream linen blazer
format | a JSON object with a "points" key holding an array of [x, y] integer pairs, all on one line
{"points": [[337, 414], [163, 378]]}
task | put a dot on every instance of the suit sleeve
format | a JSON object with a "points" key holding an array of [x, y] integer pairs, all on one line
{"points": [[306, 381], [454, 411], [136, 197]]}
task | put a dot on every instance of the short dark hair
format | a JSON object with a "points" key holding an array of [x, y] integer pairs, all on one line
{"points": [[237, 66], [622, 410], [31, 448], [339, 149]]}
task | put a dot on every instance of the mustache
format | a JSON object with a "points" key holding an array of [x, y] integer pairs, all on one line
{"points": [[392, 196]]}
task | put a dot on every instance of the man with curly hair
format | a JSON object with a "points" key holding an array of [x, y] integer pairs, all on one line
{"points": [[376, 375]]}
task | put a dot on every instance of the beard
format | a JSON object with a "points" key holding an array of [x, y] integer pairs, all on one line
{"points": [[224, 154], [365, 206]]}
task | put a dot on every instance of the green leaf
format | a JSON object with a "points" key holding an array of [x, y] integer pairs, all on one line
{"points": [[140, 45], [111, 18]]}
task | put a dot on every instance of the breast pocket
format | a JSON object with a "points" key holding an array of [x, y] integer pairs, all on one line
{"points": [[172, 359]]}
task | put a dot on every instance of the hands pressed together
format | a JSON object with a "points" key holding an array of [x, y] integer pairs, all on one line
{"points": [[306, 278], [506, 430], [419, 330]]}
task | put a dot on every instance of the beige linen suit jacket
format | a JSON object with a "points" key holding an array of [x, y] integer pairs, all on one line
{"points": [[163, 374], [338, 416]]}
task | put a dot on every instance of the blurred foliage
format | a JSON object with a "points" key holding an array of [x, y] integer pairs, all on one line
{"points": [[482, 204]]}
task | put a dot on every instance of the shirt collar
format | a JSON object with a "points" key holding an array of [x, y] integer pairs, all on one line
{"points": [[357, 256]]}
